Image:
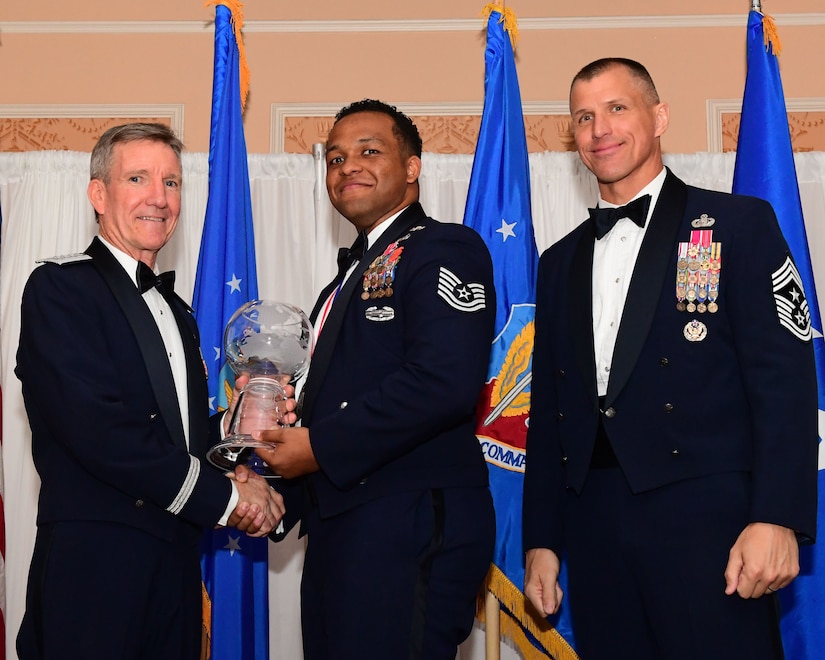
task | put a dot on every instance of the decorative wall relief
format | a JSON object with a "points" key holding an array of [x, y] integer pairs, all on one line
{"points": [[444, 128], [74, 128]]}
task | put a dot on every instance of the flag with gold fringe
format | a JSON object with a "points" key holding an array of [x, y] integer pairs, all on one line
{"points": [[234, 566], [765, 168], [498, 208]]}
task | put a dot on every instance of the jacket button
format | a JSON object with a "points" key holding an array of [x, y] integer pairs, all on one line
{"points": [[610, 413], [664, 362], [343, 405], [562, 374], [153, 416], [674, 452], [560, 415], [668, 407], [564, 459], [363, 482], [139, 503]]}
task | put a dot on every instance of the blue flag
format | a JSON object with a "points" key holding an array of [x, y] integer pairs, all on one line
{"points": [[234, 565], [765, 168], [498, 208]]}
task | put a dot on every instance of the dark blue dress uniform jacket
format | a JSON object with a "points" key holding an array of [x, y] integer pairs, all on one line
{"points": [[391, 403], [107, 435], [742, 399]]}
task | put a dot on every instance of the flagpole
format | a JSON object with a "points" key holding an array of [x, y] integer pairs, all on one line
{"points": [[492, 608], [492, 634]]}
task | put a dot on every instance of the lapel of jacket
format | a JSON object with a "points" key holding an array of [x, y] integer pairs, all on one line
{"points": [[325, 347], [653, 265], [147, 336], [198, 394], [580, 307]]}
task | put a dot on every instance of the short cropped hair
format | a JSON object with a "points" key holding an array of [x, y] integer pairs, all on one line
{"points": [[403, 128], [637, 70], [100, 166]]}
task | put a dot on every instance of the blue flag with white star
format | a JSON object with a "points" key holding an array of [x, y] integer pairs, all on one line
{"points": [[765, 168], [234, 565], [498, 208]]}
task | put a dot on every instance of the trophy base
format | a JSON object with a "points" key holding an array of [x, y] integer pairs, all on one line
{"points": [[240, 450]]}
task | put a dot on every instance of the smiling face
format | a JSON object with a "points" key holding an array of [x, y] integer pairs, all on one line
{"points": [[369, 177], [617, 125], [139, 203]]}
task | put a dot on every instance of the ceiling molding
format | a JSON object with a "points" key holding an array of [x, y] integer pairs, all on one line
{"points": [[402, 25]]}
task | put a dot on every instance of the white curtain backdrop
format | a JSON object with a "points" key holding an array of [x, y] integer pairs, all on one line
{"points": [[45, 212]]}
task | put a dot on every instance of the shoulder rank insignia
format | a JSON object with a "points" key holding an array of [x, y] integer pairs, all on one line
{"points": [[65, 259], [463, 296], [791, 305]]}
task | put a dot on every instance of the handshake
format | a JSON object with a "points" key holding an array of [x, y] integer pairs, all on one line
{"points": [[260, 508]]}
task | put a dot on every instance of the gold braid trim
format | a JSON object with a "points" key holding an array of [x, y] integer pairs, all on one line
{"points": [[235, 6], [517, 615], [206, 624], [771, 35], [508, 17]]}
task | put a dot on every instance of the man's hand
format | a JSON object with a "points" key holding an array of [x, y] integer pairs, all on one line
{"points": [[541, 580], [764, 558], [260, 508], [286, 407], [291, 454]]}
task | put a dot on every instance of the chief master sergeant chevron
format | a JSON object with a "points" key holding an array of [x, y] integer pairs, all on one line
{"points": [[399, 516]]}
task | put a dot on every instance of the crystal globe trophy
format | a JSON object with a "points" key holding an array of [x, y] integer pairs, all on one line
{"points": [[270, 342]]}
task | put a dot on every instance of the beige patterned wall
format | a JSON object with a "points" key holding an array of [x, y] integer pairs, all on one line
{"points": [[59, 133], [807, 130], [445, 134], [62, 56]]}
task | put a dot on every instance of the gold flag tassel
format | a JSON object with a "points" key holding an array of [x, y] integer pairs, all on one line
{"points": [[508, 17], [515, 602], [772, 42], [235, 6]]}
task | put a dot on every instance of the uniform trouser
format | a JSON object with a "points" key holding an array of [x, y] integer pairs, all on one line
{"points": [[100, 590], [646, 572], [396, 578]]}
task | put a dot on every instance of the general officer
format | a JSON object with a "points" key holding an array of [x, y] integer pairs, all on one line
{"points": [[115, 391]]}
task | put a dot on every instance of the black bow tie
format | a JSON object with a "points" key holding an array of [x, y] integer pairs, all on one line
{"points": [[604, 219], [348, 256], [146, 278]]}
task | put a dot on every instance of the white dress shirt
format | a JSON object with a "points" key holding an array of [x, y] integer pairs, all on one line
{"points": [[614, 258]]}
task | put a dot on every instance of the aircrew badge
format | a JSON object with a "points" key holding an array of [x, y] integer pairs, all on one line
{"points": [[703, 221], [791, 305], [698, 271]]}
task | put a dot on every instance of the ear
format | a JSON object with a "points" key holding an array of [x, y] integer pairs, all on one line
{"points": [[662, 118], [96, 193], [413, 169]]}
